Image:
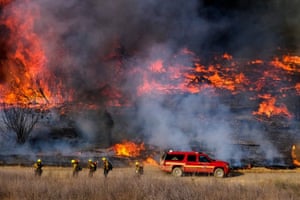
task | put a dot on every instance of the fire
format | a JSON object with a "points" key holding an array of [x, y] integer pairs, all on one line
{"points": [[224, 73], [288, 63], [128, 148], [298, 88], [27, 76], [157, 66], [25, 62], [150, 161], [295, 155], [253, 62], [269, 108], [161, 77], [292, 59], [29, 80], [227, 56]]}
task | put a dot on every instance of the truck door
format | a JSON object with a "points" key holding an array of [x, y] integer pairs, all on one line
{"points": [[204, 162], [191, 163]]}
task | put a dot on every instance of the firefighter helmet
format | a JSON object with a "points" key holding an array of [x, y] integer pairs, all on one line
{"points": [[137, 163], [72, 161], [103, 158], [90, 160], [39, 160]]}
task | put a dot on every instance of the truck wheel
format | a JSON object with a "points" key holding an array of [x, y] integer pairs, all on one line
{"points": [[219, 173], [177, 171]]}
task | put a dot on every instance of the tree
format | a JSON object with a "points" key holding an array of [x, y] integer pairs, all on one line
{"points": [[20, 119]]}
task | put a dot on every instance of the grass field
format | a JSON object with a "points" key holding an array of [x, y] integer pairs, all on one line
{"points": [[122, 184]]}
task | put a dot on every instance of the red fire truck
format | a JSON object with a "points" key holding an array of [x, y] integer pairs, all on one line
{"points": [[180, 162]]}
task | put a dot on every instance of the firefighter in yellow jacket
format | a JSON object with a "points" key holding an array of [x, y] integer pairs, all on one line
{"points": [[107, 166], [139, 168], [38, 165], [76, 167], [92, 167]]}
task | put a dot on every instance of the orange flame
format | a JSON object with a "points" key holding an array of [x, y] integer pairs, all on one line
{"points": [[128, 148], [256, 62], [269, 108], [167, 79], [27, 78], [292, 59], [288, 63], [298, 88], [150, 161], [227, 56], [25, 62]]}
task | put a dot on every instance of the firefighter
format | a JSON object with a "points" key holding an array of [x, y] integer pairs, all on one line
{"points": [[38, 165], [92, 167], [76, 167], [107, 166], [139, 168]]}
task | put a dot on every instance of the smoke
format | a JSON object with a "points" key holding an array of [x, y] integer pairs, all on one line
{"points": [[85, 41], [190, 119], [77, 34]]}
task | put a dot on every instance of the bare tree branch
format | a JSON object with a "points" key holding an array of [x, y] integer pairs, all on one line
{"points": [[20, 119]]}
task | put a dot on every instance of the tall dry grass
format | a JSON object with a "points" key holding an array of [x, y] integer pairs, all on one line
{"points": [[122, 184]]}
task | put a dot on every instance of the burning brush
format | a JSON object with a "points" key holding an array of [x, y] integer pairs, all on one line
{"points": [[138, 151], [295, 153]]}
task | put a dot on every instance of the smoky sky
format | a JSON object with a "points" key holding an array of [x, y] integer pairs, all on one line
{"points": [[253, 25], [211, 24], [201, 24]]}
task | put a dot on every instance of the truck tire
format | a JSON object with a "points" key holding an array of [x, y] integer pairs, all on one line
{"points": [[177, 171], [219, 173]]}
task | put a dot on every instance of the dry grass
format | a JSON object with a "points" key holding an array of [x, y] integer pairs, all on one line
{"points": [[58, 183]]}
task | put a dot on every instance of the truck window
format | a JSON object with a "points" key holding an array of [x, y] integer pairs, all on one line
{"points": [[191, 158], [203, 159], [178, 157]]}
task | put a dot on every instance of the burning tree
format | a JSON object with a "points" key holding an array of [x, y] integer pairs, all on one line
{"points": [[20, 119]]}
